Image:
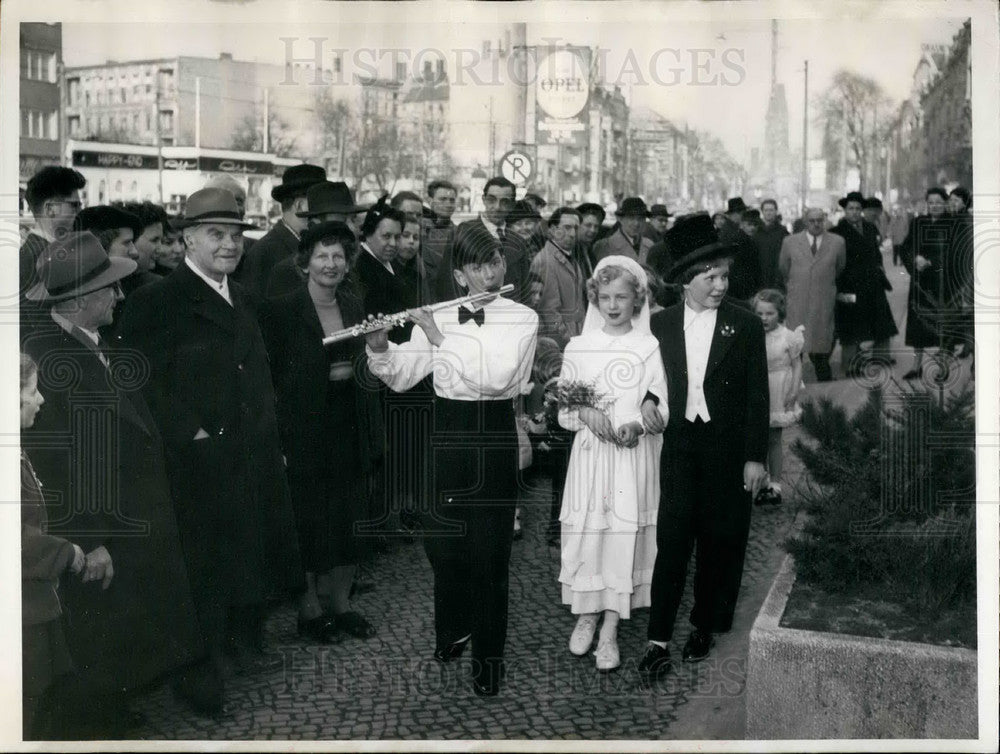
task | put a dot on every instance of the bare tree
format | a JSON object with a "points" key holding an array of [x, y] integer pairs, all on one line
{"points": [[338, 128], [248, 136], [857, 118]]}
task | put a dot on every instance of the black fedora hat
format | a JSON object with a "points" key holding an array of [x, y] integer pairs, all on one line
{"points": [[330, 197], [694, 240], [735, 204], [633, 206], [296, 180], [853, 196], [872, 203], [104, 217], [659, 210], [75, 265], [211, 205]]}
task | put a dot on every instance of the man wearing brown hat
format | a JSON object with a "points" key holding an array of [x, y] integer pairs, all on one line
{"points": [[627, 240], [97, 451], [282, 241], [328, 201], [211, 393], [715, 443]]}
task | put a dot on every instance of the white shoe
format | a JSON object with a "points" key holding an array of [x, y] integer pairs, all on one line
{"points": [[607, 655], [583, 635]]}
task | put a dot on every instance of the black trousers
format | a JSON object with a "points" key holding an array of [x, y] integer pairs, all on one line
{"points": [[468, 530], [703, 506], [821, 361]]}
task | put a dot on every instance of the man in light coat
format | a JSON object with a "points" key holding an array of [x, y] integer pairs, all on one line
{"points": [[809, 264], [627, 240], [563, 303]]}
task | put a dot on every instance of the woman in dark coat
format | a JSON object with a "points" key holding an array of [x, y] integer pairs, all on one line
{"points": [[862, 311], [330, 425], [375, 268], [925, 254], [46, 663], [960, 274]]}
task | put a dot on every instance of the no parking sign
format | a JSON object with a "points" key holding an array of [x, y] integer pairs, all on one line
{"points": [[516, 167]]}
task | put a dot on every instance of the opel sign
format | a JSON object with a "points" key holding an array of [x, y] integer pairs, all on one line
{"points": [[563, 84]]}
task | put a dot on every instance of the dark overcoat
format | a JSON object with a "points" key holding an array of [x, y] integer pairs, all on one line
{"points": [[300, 367], [870, 317], [930, 238], [260, 259], [100, 459], [209, 370]]}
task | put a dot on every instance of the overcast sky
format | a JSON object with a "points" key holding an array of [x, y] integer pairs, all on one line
{"points": [[656, 61]]}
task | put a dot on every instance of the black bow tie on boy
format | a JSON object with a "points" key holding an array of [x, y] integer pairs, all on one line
{"points": [[465, 314]]}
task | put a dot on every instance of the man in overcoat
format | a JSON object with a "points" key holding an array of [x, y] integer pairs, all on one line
{"points": [[211, 393], [862, 312], [281, 241], [563, 302], [100, 459], [715, 444], [809, 264], [627, 240]]}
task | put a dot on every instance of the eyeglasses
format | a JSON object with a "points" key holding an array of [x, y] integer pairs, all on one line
{"points": [[491, 200], [73, 205]]}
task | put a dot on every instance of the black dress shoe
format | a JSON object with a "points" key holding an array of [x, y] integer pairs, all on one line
{"points": [[487, 682], [655, 662], [697, 646], [453, 651], [914, 374], [321, 629]]}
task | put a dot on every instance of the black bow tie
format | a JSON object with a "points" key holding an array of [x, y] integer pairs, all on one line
{"points": [[464, 315]]}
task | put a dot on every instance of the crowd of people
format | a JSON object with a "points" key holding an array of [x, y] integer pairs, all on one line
{"points": [[194, 452]]}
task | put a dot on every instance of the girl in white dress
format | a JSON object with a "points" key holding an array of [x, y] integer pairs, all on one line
{"points": [[784, 379], [612, 488]]}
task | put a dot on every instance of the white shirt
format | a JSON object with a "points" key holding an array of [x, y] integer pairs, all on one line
{"points": [[69, 327], [290, 229], [809, 240], [384, 264], [493, 229], [474, 362], [699, 328], [221, 288]]}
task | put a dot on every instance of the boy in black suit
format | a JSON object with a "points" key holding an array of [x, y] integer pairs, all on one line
{"points": [[715, 444]]}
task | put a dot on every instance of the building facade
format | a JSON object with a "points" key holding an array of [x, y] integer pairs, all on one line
{"points": [[40, 101], [190, 101], [132, 172]]}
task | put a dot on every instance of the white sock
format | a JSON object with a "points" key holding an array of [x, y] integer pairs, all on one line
{"points": [[660, 644]]}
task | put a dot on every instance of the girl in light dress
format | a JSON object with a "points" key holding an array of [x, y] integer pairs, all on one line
{"points": [[784, 377], [612, 491]]}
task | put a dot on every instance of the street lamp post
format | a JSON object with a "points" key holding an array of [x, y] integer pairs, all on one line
{"points": [[805, 138]]}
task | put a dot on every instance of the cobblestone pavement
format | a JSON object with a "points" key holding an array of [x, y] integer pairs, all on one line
{"points": [[390, 688]]}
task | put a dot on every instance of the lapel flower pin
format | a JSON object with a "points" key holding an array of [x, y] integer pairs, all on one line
{"points": [[727, 331]]}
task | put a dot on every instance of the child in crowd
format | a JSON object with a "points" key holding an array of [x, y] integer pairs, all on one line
{"points": [[784, 374], [612, 491], [550, 443]]}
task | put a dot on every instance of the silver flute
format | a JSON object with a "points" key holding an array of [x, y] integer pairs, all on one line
{"points": [[388, 321]]}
